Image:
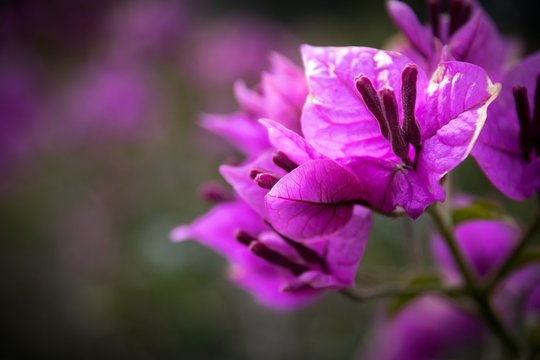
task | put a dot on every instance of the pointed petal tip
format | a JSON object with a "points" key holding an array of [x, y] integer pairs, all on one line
{"points": [[180, 233]]}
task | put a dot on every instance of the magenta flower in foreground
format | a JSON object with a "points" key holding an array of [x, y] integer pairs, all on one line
{"points": [[302, 193], [508, 149], [397, 130], [467, 31], [280, 96], [280, 272]]}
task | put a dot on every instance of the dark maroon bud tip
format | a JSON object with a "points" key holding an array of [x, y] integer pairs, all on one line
{"points": [[460, 13], [244, 237], [434, 16], [400, 146], [536, 117], [266, 180], [408, 99], [215, 193], [275, 258], [254, 172], [372, 101], [524, 117], [284, 162]]}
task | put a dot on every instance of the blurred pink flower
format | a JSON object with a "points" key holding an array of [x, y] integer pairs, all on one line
{"points": [[145, 28], [20, 106], [109, 100], [232, 48]]}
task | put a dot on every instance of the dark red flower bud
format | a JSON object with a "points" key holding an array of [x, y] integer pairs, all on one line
{"points": [[524, 116], [275, 258], [372, 101], [400, 146], [283, 161]]}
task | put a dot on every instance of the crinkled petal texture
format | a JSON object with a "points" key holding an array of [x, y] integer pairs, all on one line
{"points": [[315, 199], [497, 151], [457, 100], [429, 328], [266, 282], [450, 108], [335, 120]]}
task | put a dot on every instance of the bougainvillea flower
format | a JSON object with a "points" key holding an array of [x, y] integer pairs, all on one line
{"points": [[508, 149], [279, 271], [399, 150], [233, 47], [302, 193], [428, 328], [21, 104], [158, 27], [111, 100], [467, 31], [280, 96]]}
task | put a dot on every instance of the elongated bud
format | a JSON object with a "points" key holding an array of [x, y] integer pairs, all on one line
{"points": [[373, 103], [254, 172], [266, 180], [244, 237], [215, 192], [308, 254], [524, 116], [283, 161], [397, 138], [536, 117], [276, 258], [408, 99], [434, 16]]}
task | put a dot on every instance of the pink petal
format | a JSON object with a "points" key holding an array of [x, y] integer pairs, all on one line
{"points": [[335, 120], [315, 199], [240, 130], [292, 144]]}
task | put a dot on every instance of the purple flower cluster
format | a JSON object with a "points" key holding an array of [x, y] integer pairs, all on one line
{"points": [[358, 130], [432, 327]]}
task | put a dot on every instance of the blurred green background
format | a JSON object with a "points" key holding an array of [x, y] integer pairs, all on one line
{"points": [[101, 157]]}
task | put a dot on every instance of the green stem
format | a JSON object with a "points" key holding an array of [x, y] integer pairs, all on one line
{"points": [[445, 227], [506, 267], [374, 294]]}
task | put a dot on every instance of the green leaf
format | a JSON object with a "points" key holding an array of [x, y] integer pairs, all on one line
{"points": [[479, 209], [418, 281]]}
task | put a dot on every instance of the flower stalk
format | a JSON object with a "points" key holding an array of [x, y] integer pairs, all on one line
{"points": [[473, 289]]}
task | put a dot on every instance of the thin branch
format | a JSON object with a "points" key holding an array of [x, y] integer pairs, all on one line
{"points": [[445, 227], [365, 295], [506, 267]]}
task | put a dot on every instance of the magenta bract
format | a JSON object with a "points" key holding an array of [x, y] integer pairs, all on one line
{"points": [[450, 110]]}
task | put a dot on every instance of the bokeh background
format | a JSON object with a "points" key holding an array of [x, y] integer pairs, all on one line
{"points": [[101, 156]]}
